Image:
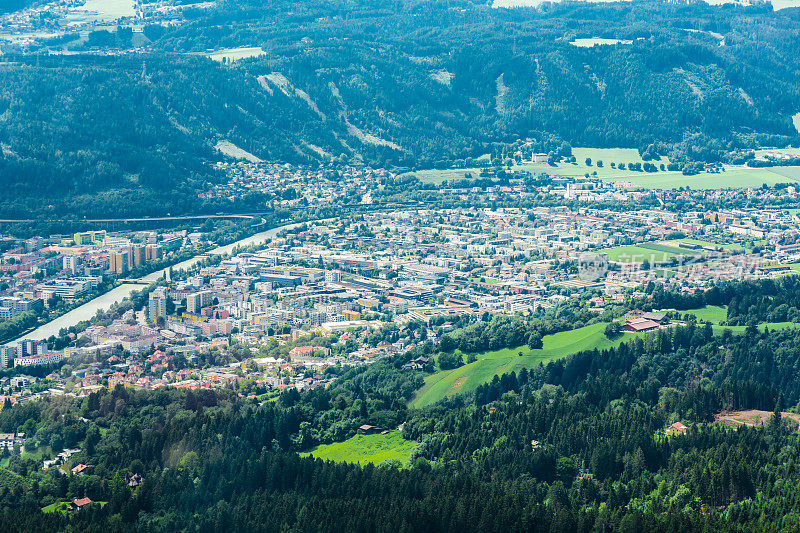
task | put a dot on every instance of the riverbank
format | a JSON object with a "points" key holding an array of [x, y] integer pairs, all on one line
{"points": [[116, 295]]}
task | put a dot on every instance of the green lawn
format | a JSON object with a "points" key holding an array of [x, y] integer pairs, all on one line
{"points": [[710, 313], [652, 251], [235, 54], [718, 313], [63, 507], [37, 454], [490, 364], [773, 326], [57, 507], [636, 254], [732, 246], [363, 449], [491, 281], [738, 177], [673, 250]]}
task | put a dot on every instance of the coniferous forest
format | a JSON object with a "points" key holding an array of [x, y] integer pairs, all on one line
{"points": [[578, 444], [412, 84]]}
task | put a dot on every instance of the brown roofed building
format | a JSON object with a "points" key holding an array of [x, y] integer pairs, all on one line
{"points": [[640, 325], [79, 504]]}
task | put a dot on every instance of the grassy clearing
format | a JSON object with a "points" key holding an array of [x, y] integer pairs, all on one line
{"points": [[363, 449], [235, 54], [651, 251], [57, 507], [719, 313], [63, 507], [596, 41], [773, 326], [470, 376], [37, 454], [491, 281], [750, 417], [710, 313]]}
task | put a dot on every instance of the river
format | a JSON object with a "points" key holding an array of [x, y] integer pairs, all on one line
{"points": [[106, 300]]}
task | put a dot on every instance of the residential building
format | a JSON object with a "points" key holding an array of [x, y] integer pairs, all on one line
{"points": [[118, 261], [158, 304]]}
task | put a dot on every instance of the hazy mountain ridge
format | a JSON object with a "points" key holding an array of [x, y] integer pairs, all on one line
{"points": [[364, 83]]}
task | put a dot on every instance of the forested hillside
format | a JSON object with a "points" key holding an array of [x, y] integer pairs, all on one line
{"points": [[576, 445], [408, 84]]}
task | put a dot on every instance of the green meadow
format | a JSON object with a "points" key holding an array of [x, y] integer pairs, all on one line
{"points": [[470, 376], [733, 177], [731, 246], [718, 313], [710, 313], [63, 507], [235, 54], [36, 454], [653, 252], [363, 449]]}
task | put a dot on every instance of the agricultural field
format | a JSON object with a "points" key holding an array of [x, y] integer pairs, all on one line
{"points": [[468, 377], [363, 449], [235, 54], [790, 172], [101, 11], [788, 150], [733, 177]]}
